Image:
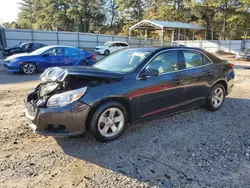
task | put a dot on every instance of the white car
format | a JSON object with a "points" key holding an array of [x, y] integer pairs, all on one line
{"points": [[110, 47]]}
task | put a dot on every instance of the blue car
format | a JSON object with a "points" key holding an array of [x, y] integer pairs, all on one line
{"points": [[49, 56]]}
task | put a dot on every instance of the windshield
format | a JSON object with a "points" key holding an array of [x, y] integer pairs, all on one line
{"points": [[106, 43], [123, 61], [21, 44], [40, 50]]}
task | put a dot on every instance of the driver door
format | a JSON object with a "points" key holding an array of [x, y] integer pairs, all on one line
{"points": [[52, 58], [165, 91]]}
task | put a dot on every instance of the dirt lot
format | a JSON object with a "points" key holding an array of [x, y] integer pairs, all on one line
{"points": [[192, 149]]}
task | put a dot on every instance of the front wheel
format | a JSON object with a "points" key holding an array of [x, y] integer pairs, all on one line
{"points": [[28, 68], [106, 52], [216, 97], [108, 121]]}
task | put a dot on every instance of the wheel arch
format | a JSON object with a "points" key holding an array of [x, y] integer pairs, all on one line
{"points": [[222, 82], [24, 62], [123, 101]]}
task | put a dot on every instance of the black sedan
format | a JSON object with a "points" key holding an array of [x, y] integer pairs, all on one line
{"points": [[23, 48], [128, 85]]}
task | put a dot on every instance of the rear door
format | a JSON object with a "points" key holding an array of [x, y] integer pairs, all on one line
{"points": [[72, 56], [196, 75], [112, 47], [165, 91]]}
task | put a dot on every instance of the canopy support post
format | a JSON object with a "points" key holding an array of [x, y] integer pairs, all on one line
{"points": [[179, 34], [162, 36], [193, 35], [129, 35], [172, 38], [146, 35]]}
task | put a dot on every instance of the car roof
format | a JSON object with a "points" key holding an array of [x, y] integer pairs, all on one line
{"points": [[116, 42], [61, 46], [160, 48]]}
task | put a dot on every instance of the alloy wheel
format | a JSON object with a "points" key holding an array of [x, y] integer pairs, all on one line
{"points": [[217, 97], [111, 122], [29, 68]]}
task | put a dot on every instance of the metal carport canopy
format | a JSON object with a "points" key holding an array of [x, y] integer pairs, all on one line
{"points": [[160, 24], [163, 25]]}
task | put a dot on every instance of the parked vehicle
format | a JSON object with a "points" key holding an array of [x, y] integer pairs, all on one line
{"points": [[110, 47], [49, 56], [26, 47], [244, 54], [128, 85]]}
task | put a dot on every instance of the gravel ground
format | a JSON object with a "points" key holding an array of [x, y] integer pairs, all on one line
{"points": [[192, 149]]}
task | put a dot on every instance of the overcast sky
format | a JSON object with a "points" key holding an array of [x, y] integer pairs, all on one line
{"points": [[8, 10]]}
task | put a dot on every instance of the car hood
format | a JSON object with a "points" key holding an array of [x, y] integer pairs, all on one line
{"points": [[100, 46], [59, 74], [17, 56]]}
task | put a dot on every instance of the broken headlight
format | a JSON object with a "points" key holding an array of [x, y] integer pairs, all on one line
{"points": [[65, 98], [48, 88]]}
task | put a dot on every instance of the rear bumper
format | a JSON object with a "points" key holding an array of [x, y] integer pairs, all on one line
{"points": [[230, 81], [59, 121]]}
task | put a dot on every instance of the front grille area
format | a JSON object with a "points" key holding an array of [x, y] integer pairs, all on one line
{"points": [[57, 129], [97, 48]]}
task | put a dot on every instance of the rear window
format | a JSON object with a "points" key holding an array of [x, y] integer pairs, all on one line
{"points": [[213, 58], [123, 44]]}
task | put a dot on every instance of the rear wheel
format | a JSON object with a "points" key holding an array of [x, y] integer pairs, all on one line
{"points": [[28, 68], [216, 97], [108, 121], [106, 52]]}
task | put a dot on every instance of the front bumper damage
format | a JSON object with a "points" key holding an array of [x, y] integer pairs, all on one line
{"points": [[58, 121]]}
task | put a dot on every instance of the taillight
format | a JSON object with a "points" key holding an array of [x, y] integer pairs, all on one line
{"points": [[93, 56], [232, 65]]}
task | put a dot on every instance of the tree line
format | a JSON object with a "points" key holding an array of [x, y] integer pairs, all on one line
{"points": [[223, 19]]}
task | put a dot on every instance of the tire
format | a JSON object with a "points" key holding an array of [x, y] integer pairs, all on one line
{"points": [[103, 126], [215, 98], [106, 52], [28, 68]]}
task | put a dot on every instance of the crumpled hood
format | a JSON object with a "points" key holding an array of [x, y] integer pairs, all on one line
{"points": [[11, 48], [17, 56], [58, 74]]}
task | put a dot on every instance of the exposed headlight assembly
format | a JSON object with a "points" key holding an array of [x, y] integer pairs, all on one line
{"points": [[65, 98], [48, 88], [14, 60]]}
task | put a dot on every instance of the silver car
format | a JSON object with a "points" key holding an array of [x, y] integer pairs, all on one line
{"points": [[244, 54]]}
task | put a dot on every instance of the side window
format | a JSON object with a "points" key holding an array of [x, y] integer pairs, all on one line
{"points": [[117, 44], [192, 59], [206, 61], [112, 45], [36, 46], [124, 45], [55, 52], [165, 62], [71, 52]]}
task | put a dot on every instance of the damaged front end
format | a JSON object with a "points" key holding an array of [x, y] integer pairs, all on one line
{"points": [[54, 107]]}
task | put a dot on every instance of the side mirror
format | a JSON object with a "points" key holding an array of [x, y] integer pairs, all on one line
{"points": [[149, 72]]}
